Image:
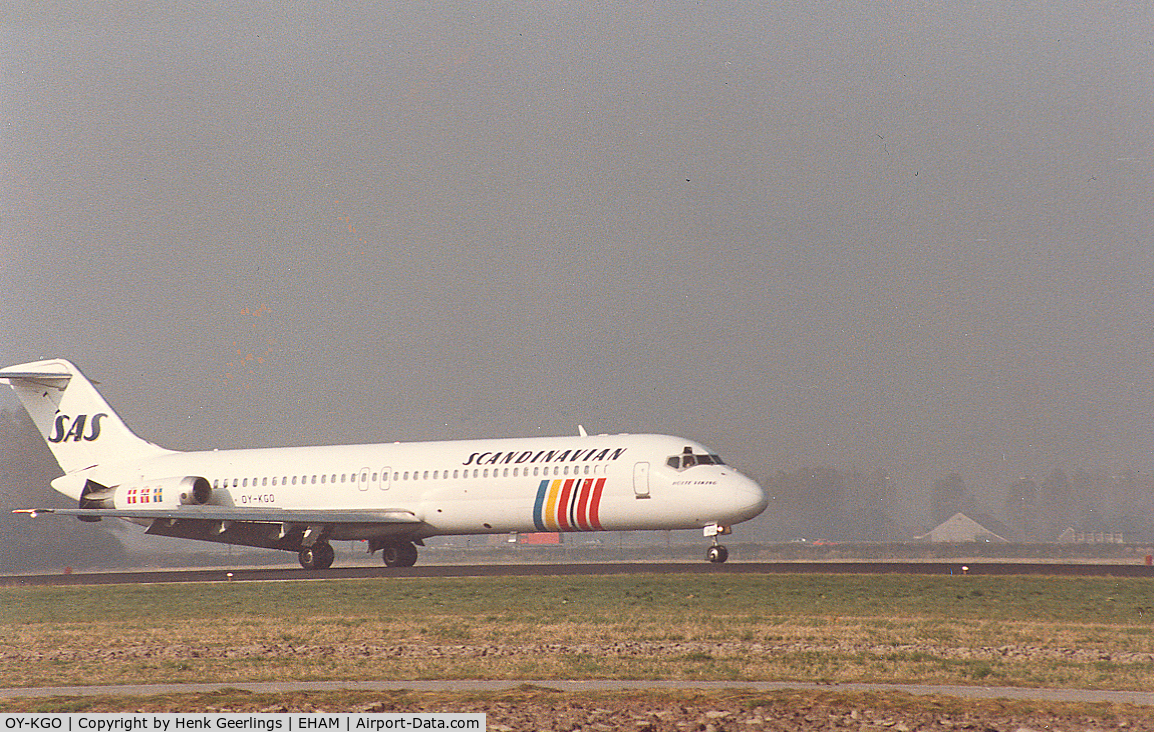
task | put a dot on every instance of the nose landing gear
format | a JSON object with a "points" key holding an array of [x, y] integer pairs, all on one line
{"points": [[717, 553]]}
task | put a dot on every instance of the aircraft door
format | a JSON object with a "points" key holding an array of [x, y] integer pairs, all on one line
{"points": [[641, 480], [363, 479], [385, 473]]}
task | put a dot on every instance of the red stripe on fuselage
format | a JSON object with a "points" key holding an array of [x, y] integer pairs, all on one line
{"points": [[595, 506], [583, 505], [563, 506]]}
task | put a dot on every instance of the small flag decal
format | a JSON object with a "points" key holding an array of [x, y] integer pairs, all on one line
{"points": [[145, 495]]}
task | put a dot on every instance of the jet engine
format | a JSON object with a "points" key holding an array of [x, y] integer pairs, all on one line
{"points": [[163, 493]]}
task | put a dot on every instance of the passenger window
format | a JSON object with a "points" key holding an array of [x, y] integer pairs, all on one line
{"points": [[396, 476], [426, 475], [406, 475], [476, 472], [374, 477], [322, 480]]}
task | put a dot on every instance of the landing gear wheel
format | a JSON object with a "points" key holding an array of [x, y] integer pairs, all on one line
{"points": [[717, 554], [399, 555], [317, 556]]}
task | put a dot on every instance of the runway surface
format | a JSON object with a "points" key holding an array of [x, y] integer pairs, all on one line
{"points": [[553, 570], [1137, 698]]}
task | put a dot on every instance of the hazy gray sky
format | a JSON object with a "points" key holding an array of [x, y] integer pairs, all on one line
{"points": [[914, 236]]}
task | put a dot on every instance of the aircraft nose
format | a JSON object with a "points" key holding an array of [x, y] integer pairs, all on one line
{"points": [[749, 499]]}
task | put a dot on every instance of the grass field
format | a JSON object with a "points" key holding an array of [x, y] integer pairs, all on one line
{"points": [[1005, 631]]}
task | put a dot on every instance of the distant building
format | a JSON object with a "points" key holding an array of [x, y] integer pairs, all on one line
{"points": [[541, 538], [962, 528], [1070, 536]]}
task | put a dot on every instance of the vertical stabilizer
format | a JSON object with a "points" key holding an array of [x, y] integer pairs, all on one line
{"points": [[80, 428]]}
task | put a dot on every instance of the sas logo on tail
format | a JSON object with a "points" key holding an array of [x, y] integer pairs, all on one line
{"points": [[67, 428]]}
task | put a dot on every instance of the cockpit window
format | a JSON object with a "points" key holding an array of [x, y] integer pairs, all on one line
{"points": [[688, 459]]}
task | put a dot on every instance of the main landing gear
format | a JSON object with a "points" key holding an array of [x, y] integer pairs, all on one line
{"points": [[717, 554], [318, 556], [399, 555]]}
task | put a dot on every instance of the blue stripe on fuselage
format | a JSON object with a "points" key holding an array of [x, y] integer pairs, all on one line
{"points": [[539, 506]]}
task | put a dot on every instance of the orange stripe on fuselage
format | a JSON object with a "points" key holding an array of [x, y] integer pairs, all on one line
{"points": [[551, 506]]}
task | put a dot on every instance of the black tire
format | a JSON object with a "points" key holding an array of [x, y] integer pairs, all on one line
{"points": [[408, 555], [717, 554], [317, 556], [399, 555]]}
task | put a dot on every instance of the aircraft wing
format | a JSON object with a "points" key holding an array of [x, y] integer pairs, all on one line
{"points": [[222, 513]]}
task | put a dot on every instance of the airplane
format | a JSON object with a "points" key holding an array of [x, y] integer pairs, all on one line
{"points": [[394, 496]]}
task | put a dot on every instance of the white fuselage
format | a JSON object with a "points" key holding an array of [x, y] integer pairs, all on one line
{"points": [[587, 483]]}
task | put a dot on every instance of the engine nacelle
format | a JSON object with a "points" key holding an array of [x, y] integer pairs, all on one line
{"points": [[163, 493]]}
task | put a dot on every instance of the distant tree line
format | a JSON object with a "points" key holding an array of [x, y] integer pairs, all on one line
{"points": [[1087, 501], [825, 503]]}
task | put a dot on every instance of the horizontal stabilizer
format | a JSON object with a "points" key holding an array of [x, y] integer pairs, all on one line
{"points": [[35, 375]]}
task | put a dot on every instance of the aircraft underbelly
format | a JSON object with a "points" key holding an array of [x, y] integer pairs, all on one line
{"points": [[274, 535]]}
